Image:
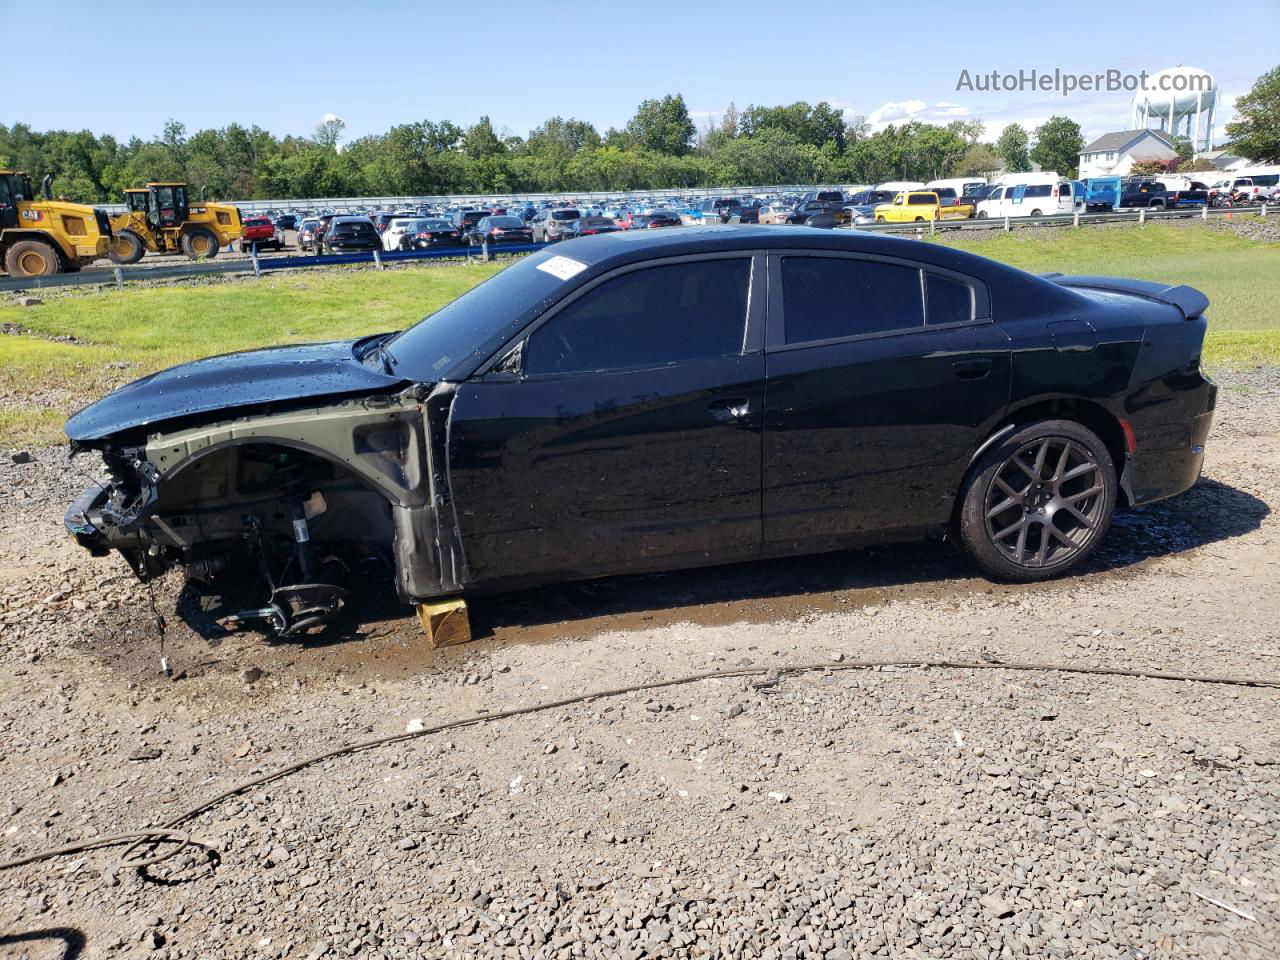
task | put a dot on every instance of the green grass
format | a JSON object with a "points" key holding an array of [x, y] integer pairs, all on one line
{"points": [[1239, 276], [121, 335]]}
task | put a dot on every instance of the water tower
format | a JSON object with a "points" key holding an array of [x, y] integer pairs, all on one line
{"points": [[1179, 101]]}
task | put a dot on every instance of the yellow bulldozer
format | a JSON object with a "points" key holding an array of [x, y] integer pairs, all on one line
{"points": [[161, 219], [46, 236]]}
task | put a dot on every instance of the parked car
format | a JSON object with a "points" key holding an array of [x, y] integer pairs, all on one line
{"points": [[552, 224], [257, 233], [467, 219], [589, 227], [429, 233], [719, 209], [498, 229], [396, 230], [919, 205], [655, 219], [774, 213], [307, 232], [382, 220], [870, 198], [820, 213], [351, 234], [287, 221], [811, 390]]}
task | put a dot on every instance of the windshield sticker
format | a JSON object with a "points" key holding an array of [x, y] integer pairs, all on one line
{"points": [[565, 268]]}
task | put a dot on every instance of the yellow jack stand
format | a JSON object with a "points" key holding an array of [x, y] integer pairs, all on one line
{"points": [[445, 621]]}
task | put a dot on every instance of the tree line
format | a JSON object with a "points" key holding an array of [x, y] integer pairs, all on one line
{"points": [[659, 147]]}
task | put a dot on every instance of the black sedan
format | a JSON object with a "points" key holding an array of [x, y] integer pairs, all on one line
{"points": [[350, 234], [498, 229], [656, 219], [430, 233], [589, 227], [656, 399]]}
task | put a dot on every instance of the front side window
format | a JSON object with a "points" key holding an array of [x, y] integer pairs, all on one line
{"points": [[829, 297], [652, 317]]}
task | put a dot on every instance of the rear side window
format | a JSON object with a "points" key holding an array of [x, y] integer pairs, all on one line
{"points": [[654, 317], [1037, 190], [948, 300], [829, 297]]}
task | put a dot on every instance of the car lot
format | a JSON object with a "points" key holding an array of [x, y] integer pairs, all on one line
{"points": [[882, 814]]}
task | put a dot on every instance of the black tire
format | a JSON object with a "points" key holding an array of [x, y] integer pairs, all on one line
{"points": [[32, 258], [982, 214], [1037, 213], [126, 247], [1026, 532], [200, 243]]}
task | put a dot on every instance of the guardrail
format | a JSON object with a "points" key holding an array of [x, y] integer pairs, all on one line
{"points": [[1076, 219], [259, 265]]}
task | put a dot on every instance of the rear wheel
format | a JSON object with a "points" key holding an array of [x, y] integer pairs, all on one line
{"points": [[879, 219], [982, 214], [31, 258], [200, 243], [1035, 213], [1039, 502], [126, 247]]}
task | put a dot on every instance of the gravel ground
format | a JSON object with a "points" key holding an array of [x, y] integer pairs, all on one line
{"points": [[836, 814]]}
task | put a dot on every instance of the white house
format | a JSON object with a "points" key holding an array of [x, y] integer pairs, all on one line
{"points": [[1114, 154]]}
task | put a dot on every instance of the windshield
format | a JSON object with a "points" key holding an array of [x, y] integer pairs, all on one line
{"points": [[433, 225], [565, 214], [505, 222], [462, 333]]}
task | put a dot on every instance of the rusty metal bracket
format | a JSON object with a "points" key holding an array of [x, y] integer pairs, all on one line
{"points": [[445, 621]]}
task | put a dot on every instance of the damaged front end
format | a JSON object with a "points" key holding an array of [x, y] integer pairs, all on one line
{"points": [[309, 500]]}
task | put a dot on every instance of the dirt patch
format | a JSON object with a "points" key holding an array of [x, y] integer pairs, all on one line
{"points": [[894, 813]]}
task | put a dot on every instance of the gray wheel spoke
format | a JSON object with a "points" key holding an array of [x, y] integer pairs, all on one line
{"points": [[1018, 462], [1062, 537], [1078, 515], [1079, 471], [1020, 550], [1009, 491], [1077, 497], [1043, 552], [1003, 505], [1062, 462], [1017, 525], [1041, 455]]}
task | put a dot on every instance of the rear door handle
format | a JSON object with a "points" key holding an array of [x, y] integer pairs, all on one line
{"points": [[971, 369], [727, 411]]}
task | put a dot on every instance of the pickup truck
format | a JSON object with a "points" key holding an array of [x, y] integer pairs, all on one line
{"points": [[259, 232], [920, 205], [1113, 193]]}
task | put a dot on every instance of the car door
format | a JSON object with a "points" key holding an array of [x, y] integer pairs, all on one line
{"points": [[629, 438], [882, 374]]}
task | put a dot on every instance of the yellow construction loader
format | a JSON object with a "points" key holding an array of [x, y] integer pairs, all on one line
{"points": [[160, 218], [46, 236]]}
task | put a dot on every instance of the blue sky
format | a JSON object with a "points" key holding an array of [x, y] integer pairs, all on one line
{"points": [[284, 65]]}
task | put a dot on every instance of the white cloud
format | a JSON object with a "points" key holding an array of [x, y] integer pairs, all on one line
{"points": [[900, 110], [944, 109], [329, 118]]}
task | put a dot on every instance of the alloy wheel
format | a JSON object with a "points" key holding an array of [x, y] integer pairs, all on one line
{"points": [[1045, 503]]}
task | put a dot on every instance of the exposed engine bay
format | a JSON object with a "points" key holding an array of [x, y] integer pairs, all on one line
{"points": [[310, 499]]}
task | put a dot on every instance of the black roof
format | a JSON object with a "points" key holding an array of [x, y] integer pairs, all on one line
{"points": [[613, 249]]}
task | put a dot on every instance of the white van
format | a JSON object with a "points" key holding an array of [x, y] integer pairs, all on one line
{"points": [[1038, 198], [900, 186]]}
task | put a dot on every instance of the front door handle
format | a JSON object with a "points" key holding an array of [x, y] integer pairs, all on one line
{"points": [[971, 369], [727, 411]]}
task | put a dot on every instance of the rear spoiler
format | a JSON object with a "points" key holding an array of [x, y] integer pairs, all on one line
{"points": [[1189, 301]]}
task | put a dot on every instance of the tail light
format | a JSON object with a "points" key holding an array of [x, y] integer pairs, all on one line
{"points": [[495, 231]]}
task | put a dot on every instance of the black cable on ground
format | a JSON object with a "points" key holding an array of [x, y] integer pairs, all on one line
{"points": [[168, 833]]}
